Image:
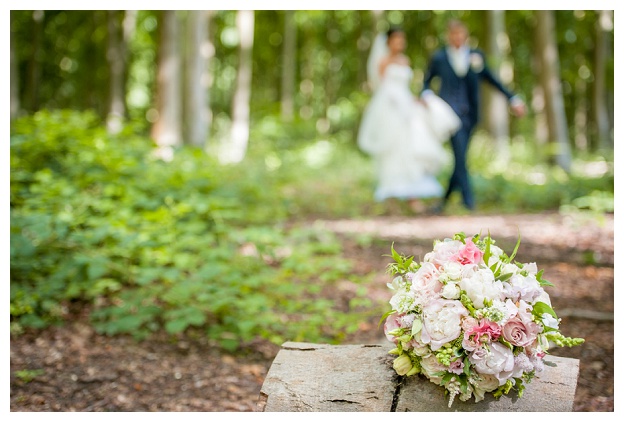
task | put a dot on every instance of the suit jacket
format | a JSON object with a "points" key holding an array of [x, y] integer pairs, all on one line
{"points": [[462, 93]]}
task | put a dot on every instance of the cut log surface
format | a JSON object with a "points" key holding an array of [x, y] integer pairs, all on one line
{"points": [[307, 377], [319, 377]]}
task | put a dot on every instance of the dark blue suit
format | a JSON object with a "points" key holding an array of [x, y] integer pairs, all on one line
{"points": [[462, 94]]}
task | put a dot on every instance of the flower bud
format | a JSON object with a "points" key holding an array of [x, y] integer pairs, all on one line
{"points": [[402, 365], [415, 369]]}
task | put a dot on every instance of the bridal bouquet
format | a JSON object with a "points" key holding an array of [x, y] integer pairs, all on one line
{"points": [[470, 318]]}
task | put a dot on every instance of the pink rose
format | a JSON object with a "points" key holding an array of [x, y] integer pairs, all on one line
{"points": [[443, 251], [469, 254], [520, 333], [426, 279], [392, 323]]}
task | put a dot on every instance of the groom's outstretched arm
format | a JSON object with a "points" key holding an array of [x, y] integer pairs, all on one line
{"points": [[515, 101], [432, 71]]}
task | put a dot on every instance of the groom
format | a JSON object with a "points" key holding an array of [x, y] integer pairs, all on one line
{"points": [[460, 70]]}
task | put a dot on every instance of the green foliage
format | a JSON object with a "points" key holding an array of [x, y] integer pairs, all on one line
{"points": [[28, 375], [192, 245], [184, 245]]}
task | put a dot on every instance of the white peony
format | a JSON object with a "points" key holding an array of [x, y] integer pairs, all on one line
{"points": [[442, 322], [482, 285]]}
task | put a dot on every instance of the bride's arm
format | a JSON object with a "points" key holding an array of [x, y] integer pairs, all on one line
{"points": [[382, 66]]}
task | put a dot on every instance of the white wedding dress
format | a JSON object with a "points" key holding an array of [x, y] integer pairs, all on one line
{"points": [[405, 138]]}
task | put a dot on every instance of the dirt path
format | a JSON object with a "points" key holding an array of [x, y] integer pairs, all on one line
{"points": [[83, 371]]}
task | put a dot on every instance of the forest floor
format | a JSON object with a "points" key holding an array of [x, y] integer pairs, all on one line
{"points": [[75, 369]]}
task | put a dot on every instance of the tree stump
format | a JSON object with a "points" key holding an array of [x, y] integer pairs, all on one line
{"points": [[307, 377]]}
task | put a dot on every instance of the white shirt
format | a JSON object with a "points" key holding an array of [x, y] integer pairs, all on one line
{"points": [[459, 59]]}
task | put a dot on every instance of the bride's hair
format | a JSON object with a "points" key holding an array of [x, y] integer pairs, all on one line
{"points": [[393, 30]]}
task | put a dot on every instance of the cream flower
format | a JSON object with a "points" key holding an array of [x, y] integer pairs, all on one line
{"points": [[480, 286], [442, 322]]}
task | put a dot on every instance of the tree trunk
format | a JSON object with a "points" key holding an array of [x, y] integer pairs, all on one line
{"points": [[15, 99], [289, 65], [236, 146], [197, 90], [580, 115], [167, 130], [548, 61], [117, 71], [497, 116], [599, 97], [31, 94]]}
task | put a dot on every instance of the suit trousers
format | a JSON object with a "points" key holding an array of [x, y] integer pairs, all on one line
{"points": [[460, 179]]}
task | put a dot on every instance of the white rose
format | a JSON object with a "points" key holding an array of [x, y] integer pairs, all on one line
{"points": [[451, 291], [441, 322], [495, 255], [429, 366], [480, 286], [453, 270], [483, 384]]}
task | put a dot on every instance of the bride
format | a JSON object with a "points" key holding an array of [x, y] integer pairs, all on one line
{"points": [[403, 134]]}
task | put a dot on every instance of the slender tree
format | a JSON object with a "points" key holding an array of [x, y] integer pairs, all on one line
{"points": [[167, 130], [116, 56], [197, 95], [33, 79], [497, 116], [15, 99], [549, 76], [235, 147], [604, 25], [289, 65]]}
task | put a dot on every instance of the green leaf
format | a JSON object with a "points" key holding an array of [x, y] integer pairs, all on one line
{"points": [[176, 326], [540, 308], [505, 277], [97, 267], [513, 254], [541, 281], [488, 252], [384, 316]]}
